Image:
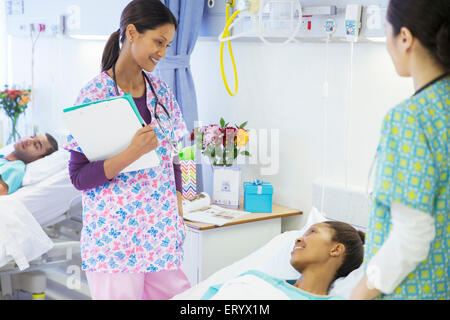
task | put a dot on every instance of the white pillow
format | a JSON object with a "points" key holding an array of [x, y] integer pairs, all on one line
{"points": [[7, 149], [41, 169], [343, 286]]}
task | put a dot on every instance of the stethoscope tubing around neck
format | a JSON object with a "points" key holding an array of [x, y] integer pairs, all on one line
{"points": [[151, 88], [155, 114]]}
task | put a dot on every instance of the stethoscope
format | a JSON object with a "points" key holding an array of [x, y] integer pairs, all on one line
{"points": [[165, 126]]}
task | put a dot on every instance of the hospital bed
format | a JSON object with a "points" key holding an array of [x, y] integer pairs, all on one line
{"points": [[273, 258], [39, 226]]}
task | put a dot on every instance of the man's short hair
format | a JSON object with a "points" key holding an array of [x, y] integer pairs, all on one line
{"points": [[53, 143]]}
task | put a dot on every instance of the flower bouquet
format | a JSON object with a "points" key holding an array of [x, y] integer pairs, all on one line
{"points": [[221, 143], [14, 102]]}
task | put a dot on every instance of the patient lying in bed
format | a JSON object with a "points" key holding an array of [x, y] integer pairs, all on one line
{"points": [[326, 251], [27, 150]]}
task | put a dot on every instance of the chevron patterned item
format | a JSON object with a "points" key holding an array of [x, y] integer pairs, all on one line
{"points": [[189, 179]]}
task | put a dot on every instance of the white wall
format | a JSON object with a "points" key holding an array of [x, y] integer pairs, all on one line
{"points": [[3, 68], [62, 67], [281, 88]]}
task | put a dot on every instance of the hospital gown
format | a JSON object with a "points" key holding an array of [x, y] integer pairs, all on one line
{"points": [[413, 169], [257, 285], [12, 173]]}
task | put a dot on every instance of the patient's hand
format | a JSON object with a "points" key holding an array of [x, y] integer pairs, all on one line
{"points": [[3, 188]]}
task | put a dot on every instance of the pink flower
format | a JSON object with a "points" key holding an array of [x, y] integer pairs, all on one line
{"points": [[209, 138], [211, 134], [229, 135]]}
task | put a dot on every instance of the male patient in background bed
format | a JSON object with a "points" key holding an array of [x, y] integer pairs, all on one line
{"points": [[27, 150]]}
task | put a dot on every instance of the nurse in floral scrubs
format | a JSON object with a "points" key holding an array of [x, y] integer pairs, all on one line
{"points": [[133, 232]]}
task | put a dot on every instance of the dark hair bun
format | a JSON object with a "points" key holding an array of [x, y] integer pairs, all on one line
{"points": [[443, 44], [362, 236], [428, 21]]}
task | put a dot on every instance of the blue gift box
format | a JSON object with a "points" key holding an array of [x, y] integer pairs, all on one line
{"points": [[258, 196]]}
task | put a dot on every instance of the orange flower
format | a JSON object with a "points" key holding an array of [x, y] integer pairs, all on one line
{"points": [[24, 100], [242, 137]]}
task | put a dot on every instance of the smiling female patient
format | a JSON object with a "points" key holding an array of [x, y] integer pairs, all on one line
{"points": [[327, 251]]}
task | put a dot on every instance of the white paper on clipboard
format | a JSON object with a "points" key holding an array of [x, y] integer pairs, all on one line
{"points": [[105, 128]]}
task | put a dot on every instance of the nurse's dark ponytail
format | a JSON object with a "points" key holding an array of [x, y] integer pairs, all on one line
{"points": [[428, 21], [111, 51], [144, 15], [443, 44]]}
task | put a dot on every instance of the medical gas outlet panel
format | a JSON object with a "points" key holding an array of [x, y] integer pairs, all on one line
{"points": [[342, 20]]}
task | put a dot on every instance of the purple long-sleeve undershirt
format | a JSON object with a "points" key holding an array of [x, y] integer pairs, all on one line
{"points": [[87, 175]]}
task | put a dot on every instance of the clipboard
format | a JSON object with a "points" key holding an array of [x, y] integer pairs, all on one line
{"points": [[105, 128]]}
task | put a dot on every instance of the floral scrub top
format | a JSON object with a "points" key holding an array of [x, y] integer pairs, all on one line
{"points": [[413, 169], [132, 224]]}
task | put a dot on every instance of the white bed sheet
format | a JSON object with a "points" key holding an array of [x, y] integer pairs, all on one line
{"points": [[48, 199], [21, 237]]}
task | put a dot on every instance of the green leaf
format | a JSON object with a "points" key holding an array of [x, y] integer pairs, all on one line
{"points": [[243, 125], [222, 123], [245, 153]]}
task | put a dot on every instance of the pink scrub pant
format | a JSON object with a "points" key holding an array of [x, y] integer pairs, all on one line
{"points": [[161, 285]]}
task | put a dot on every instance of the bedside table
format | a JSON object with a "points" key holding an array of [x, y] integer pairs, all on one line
{"points": [[209, 248]]}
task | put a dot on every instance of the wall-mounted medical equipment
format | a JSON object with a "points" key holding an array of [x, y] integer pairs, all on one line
{"points": [[265, 18], [278, 22], [226, 34], [352, 22], [268, 18], [313, 16]]}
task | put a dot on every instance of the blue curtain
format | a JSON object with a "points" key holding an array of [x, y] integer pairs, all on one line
{"points": [[175, 69]]}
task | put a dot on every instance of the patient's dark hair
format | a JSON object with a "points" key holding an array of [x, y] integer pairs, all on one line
{"points": [[53, 143], [428, 21], [353, 241], [144, 15]]}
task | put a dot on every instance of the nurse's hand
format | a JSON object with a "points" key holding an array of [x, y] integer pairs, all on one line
{"points": [[144, 141], [364, 290]]}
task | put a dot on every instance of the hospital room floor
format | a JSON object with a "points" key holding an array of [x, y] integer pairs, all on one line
{"points": [[57, 288], [60, 279], [62, 282], [57, 285]]}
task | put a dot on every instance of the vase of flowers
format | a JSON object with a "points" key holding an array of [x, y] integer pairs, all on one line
{"points": [[14, 103], [222, 144]]}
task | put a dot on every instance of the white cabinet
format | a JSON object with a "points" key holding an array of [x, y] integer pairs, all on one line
{"points": [[209, 250]]}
